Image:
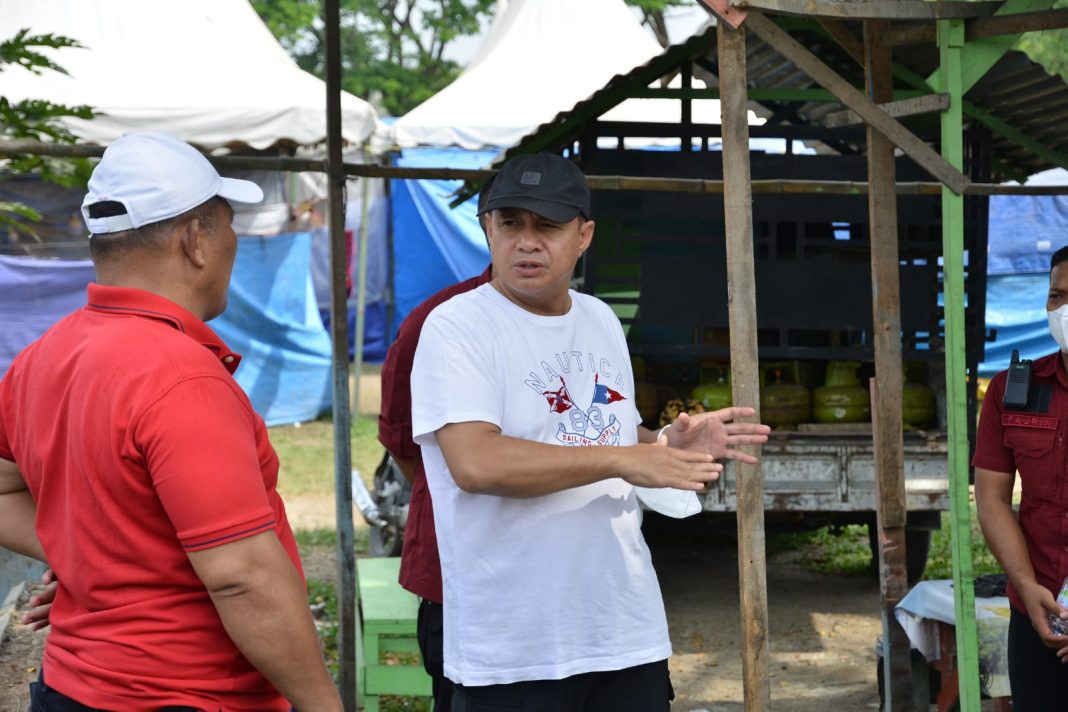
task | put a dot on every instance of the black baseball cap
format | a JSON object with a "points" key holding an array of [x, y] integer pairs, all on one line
{"points": [[543, 183]]}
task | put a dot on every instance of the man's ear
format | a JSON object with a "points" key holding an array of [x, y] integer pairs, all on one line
{"points": [[191, 238], [585, 235]]}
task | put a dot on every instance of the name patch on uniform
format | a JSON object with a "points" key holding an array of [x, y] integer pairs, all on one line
{"points": [[1022, 420]]}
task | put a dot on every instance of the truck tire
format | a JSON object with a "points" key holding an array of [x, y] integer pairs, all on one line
{"points": [[917, 547]]}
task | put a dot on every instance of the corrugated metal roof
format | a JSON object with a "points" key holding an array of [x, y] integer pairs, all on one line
{"points": [[1016, 93]]}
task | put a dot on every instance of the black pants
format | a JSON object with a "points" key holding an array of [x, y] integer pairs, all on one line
{"points": [[428, 629], [1038, 678], [643, 688], [44, 699]]}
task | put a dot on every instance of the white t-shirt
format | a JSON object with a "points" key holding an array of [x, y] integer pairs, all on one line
{"points": [[546, 587]]}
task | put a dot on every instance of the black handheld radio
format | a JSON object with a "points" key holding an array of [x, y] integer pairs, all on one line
{"points": [[1018, 383]]}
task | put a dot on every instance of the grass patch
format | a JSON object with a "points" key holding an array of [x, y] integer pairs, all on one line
{"points": [[306, 453], [842, 551], [846, 550], [322, 596], [940, 560]]}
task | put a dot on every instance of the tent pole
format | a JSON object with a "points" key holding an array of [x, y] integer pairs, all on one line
{"points": [[346, 563], [950, 44], [361, 283], [741, 298]]}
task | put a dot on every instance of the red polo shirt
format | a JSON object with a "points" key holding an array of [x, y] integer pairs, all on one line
{"points": [[138, 447], [1032, 443], [420, 569]]}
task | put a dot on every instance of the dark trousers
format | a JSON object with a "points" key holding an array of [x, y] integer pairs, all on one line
{"points": [[44, 699], [1038, 678], [428, 629], [643, 688]]}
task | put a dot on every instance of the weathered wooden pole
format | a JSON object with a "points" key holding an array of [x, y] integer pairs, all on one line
{"points": [[346, 563], [741, 298], [891, 510], [950, 44]]}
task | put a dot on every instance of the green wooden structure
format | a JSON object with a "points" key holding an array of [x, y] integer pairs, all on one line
{"points": [[385, 627]]}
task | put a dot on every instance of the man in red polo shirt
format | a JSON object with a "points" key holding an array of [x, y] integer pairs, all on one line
{"points": [[420, 570], [1033, 548], [133, 463]]}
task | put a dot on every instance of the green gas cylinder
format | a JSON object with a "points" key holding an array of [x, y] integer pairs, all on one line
{"points": [[783, 399], [714, 392], [917, 398], [842, 399]]}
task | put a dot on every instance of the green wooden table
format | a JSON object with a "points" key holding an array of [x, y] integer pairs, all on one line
{"points": [[386, 628]]}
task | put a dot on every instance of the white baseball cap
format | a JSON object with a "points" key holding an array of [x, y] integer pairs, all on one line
{"points": [[156, 177]]}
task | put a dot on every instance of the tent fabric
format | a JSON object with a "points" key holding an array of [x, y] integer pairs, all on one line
{"points": [[34, 294], [271, 320], [376, 289], [1025, 230], [540, 57], [434, 245], [1016, 310], [208, 71]]}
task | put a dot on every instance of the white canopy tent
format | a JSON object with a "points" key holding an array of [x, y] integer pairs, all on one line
{"points": [[208, 71], [540, 57]]}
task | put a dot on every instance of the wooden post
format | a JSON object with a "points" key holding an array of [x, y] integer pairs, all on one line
{"points": [[741, 297], [950, 43], [346, 562], [891, 507]]}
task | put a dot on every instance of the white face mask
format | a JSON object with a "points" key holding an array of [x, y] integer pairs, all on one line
{"points": [[1058, 326]]}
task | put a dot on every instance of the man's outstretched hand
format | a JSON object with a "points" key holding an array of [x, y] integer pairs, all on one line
{"points": [[714, 433]]}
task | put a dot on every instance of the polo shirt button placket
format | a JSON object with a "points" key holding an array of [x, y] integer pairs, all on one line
{"points": [[229, 359]]}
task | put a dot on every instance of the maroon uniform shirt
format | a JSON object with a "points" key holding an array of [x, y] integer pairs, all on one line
{"points": [[1032, 442], [420, 570]]}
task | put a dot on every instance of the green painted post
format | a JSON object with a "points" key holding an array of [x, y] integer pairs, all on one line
{"points": [[980, 55], [950, 44]]}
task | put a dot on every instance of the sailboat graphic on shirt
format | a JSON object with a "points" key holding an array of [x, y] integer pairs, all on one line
{"points": [[583, 421]]}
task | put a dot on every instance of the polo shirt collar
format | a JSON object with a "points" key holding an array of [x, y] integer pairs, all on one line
{"points": [[138, 302]]}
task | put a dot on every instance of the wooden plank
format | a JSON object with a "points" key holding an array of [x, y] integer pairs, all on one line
{"points": [[725, 10], [908, 142], [741, 297], [886, 391], [382, 598], [1014, 24], [903, 107], [874, 9], [845, 37]]}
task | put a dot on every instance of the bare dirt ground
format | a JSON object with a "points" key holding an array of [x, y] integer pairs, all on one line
{"points": [[822, 629], [20, 661]]}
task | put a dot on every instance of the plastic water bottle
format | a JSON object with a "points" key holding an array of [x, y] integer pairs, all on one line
{"points": [[1058, 625]]}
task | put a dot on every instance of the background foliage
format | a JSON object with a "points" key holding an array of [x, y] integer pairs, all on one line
{"points": [[393, 50], [36, 120]]}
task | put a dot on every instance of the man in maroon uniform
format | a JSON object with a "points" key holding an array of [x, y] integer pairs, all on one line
{"points": [[1029, 438]]}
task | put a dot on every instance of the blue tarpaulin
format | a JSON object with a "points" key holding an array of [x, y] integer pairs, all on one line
{"points": [[271, 320], [434, 245], [1024, 232], [34, 294]]}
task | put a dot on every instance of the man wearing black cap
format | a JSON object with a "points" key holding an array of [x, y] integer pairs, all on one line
{"points": [[523, 404]]}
